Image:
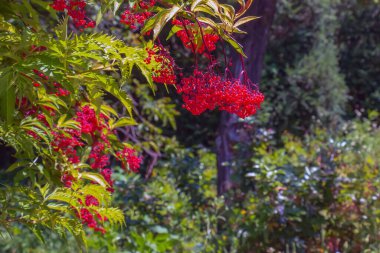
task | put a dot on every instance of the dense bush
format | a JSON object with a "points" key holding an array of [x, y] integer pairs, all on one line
{"points": [[60, 77]]}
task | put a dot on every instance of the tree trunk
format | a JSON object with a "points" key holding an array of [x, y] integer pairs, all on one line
{"points": [[254, 43]]}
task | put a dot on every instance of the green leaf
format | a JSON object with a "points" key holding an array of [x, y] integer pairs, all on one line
{"points": [[245, 20], [147, 73], [206, 9], [162, 18], [17, 165], [5, 26], [123, 122], [208, 21], [214, 5], [233, 43], [114, 215], [108, 109], [38, 233], [159, 229], [229, 11], [245, 7], [7, 99], [173, 31], [65, 195], [122, 96], [94, 177], [195, 4], [149, 23]]}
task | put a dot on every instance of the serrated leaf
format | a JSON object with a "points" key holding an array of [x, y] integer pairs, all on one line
{"points": [[108, 109], [7, 99], [37, 232], [147, 73], [122, 97], [64, 196], [17, 165]]}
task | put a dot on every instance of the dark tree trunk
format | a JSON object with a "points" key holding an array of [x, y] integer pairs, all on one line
{"points": [[254, 43]]}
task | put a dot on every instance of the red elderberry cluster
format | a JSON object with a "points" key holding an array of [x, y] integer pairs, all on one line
{"points": [[207, 43], [54, 87], [76, 10], [207, 91], [88, 218], [35, 48], [40, 74], [165, 72], [128, 157], [137, 14], [68, 142]]}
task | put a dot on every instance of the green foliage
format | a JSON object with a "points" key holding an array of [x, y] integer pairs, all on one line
{"points": [[297, 197], [314, 190], [303, 79], [360, 53], [167, 213], [318, 71], [90, 67]]}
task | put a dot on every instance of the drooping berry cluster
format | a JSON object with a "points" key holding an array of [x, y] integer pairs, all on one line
{"points": [[76, 10], [208, 91], [164, 73], [132, 17], [192, 38]]}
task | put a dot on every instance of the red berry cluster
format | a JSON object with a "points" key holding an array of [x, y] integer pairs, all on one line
{"points": [[165, 71], [128, 157], [207, 43], [35, 48], [40, 74], [87, 217], [137, 14], [76, 10], [53, 87], [207, 91], [68, 142]]}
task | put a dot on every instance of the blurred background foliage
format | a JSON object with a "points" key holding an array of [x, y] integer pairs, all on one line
{"points": [[306, 180]]}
